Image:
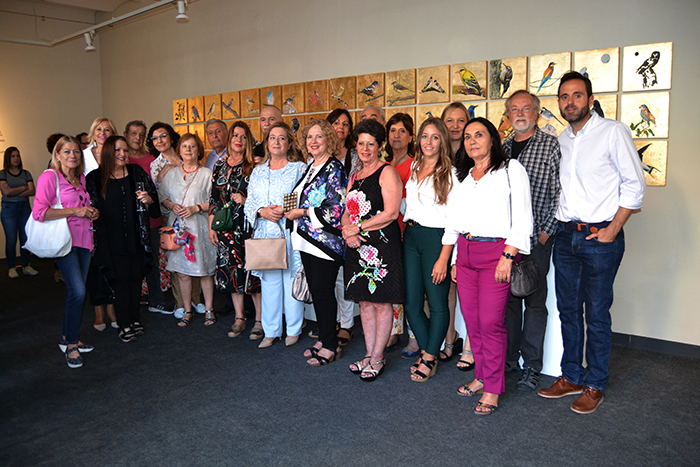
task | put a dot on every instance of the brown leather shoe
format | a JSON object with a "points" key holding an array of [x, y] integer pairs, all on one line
{"points": [[588, 401], [561, 388]]}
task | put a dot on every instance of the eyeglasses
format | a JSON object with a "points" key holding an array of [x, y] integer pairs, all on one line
{"points": [[156, 138]]}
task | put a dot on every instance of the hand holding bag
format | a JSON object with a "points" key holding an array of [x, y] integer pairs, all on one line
{"points": [[49, 239]]}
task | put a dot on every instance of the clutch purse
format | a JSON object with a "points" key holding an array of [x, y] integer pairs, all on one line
{"points": [[290, 201]]}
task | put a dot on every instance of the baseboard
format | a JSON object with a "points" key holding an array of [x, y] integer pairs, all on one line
{"points": [[656, 345]]}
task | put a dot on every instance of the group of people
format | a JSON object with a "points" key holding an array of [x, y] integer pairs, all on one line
{"points": [[372, 215]]}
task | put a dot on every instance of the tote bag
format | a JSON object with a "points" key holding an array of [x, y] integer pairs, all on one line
{"points": [[49, 239]]}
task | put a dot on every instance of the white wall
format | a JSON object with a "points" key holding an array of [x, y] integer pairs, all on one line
{"points": [[44, 90], [228, 46]]}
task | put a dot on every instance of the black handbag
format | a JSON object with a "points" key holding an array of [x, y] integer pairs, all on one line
{"points": [[524, 278]]}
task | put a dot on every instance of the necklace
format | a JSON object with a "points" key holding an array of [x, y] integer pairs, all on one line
{"points": [[190, 172], [123, 173], [371, 170]]}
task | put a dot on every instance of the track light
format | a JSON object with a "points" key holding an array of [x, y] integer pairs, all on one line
{"points": [[181, 16], [88, 40]]}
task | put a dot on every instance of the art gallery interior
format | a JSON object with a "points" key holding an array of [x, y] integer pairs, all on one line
{"points": [[144, 63]]}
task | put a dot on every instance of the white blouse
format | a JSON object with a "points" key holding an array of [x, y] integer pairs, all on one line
{"points": [[421, 202], [483, 208]]}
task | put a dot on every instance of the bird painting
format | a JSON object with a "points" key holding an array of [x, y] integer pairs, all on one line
{"points": [[505, 78], [470, 82], [288, 107], [228, 107], [295, 124], [597, 108], [584, 72], [550, 130], [504, 127], [548, 115], [370, 90], [250, 104], [400, 88], [195, 114], [316, 98], [546, 76], [647, 168], [341, 91], [647, 116], [211, 109], [470, 111], [270, 98], [429, 114], [646, 70], [432, 85]]}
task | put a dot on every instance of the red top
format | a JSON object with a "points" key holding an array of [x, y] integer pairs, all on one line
{"points": [[404, 170]]}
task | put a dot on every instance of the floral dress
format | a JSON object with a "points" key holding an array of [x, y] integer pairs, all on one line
{"points": [[374, 271], [230, 258]]}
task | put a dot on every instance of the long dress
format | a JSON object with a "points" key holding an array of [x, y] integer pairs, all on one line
{"points": [[374, 271], [230, 259], [174, 188]]}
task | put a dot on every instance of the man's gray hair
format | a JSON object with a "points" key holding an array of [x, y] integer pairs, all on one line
{"points": [[215, 120], [535, 99]]}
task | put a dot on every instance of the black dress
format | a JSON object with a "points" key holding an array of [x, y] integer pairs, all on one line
{"points": [[374, 271]]}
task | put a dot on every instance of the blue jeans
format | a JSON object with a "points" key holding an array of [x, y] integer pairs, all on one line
{"points": [[14, 217], [74, 268], [584, 273]]}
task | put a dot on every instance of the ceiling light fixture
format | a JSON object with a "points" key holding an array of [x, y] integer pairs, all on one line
{"points": [[181, 16], [88, 40]]}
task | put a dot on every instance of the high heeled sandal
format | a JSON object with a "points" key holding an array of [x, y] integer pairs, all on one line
{"points": [[372, 372], [209, 318], [256, 333], [465, 365], [467, 392], [343, 341], [443, 357], [357, 367], [237, 329], [185, 321], [420, 377], [322, 361]]}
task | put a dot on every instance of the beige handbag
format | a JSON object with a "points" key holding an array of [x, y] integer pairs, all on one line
{"points": [[264, 254]]}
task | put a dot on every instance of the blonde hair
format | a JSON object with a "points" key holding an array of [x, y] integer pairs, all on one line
{"points": [[293, 154], [442, 172], [334, 144], [94, 125], [56, 163]]}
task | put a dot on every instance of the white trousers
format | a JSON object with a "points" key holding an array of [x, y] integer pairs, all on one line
{"points": [[276, 300]]}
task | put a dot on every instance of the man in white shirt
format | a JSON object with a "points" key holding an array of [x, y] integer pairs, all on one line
{"points": [[539, 153], [602, 183], [217, 134]]}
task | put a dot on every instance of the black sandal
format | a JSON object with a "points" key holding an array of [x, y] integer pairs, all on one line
{"points": [[373, 374], [422, 377], [458, 342], [209, 318], [322, 361], [184, 321]]}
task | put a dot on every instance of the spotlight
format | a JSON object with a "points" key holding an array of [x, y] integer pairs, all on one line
{"points": [[88, 40], [181, 16]]}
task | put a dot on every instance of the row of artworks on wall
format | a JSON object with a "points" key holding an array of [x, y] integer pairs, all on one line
{"points": [[640, 98]]}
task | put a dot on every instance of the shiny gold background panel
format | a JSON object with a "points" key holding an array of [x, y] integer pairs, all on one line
{"points": [[422, 113], [401, 87], [293, 98], [495, 114], [231, 105], [431, 81], [654, 160], [371, 90], [316, 95], [195, 109], [391, 111], [603, 75], [462, 92], [212, 104], [271, 99], [635, 56], [518, 66], [250, 103], [658, 105], [538, 67], [180, 111], [343, 93]]}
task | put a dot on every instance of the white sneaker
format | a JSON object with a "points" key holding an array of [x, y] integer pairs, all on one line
{"points": [[179, 313], [29, 271], [12, 273], [200, 308]]}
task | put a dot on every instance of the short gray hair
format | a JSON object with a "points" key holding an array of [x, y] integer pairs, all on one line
{"points": [[535, 99], [212, 121], [378, 109]]}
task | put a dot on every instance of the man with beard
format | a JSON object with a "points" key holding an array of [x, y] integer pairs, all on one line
{"points": [[539, 153], [602, 183]]}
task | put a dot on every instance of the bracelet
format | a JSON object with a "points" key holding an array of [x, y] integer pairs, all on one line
{"points": [[199, 208], [508, 256]]}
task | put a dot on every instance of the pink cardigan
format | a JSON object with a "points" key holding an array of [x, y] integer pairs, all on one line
{"points": [[71, 197]]}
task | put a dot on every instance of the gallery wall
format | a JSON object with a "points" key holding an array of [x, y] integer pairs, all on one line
{"points": [[230, 45]]}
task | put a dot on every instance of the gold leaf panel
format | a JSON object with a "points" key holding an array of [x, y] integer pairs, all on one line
{"points": [[370, 90], [212, 104], [424, 112], [343, 93], [293, 99], [198, 130], [506, 76], [179, 111], [646, 114], [469, 81], [411, 111], [602, 66], [647, 67], [250, 103], [195, 109], [545, 72], [272, 95], [434, 84], [231, 105], [317, 96], [654, 155], [401, 87]]}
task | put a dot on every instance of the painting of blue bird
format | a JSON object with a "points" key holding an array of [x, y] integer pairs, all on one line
{"points": [[546, 76], [288, 107], [195, 114], [470, 111], [270, 98]]}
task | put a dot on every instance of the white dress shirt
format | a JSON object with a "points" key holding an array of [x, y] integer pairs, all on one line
{"points": [[600, 172], [483, 208], [89, 158], [421, 202]]}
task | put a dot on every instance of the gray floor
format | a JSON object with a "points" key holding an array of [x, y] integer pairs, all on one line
{"points": [[194, 396]]}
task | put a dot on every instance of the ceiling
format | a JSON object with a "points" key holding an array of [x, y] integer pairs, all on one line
{"points": [[94, 5]]}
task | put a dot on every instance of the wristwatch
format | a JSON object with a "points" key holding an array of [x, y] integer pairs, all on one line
{"points": [[508, 256]]}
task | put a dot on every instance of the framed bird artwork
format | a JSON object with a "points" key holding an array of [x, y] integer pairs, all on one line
{"points": [[507, 75], [231, 105], [653, 155], [601, 66], [497, 115], [647, 67], [646, 114], [179, 111], [250, 103], [272, 95], [195, 109], [433, 84], [410, 110], [199, 131], [317, 95], [370, 90], [343, 93], [401, 87], [212, 106], [545, 72], [293, 99], [295, 122], [469, 81]]}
